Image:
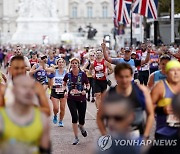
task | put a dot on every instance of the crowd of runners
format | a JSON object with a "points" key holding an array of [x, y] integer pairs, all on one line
{"points": [[147, 93]]}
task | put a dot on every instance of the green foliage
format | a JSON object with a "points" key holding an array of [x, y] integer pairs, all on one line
{"points": [[165, 6]]}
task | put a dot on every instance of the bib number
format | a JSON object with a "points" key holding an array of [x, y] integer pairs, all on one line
{"points": [[99, 75], [173, 121]]}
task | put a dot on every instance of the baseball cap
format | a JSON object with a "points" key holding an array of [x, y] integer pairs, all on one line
{"points": [[133, 53]]}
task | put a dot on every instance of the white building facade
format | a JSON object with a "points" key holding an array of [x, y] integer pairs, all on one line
{"points": [[71, 13]]}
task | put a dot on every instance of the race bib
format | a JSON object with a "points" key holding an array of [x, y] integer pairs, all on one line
{"points": [[59, 90], [75, 92], [99, 75], [99, 68], [173, 121], [154, 64], [58, 81]]}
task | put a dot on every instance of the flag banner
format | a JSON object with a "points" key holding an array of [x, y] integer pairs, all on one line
{"points": [[147, 8], [122, 11]]}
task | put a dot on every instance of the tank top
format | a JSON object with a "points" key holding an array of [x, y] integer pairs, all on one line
{"points": [[138, 99], [30, 134], [158, 76], [100, 70], [162, 126], [41, 75], [1, 79], [58, 79], [168, 95], [32, 62]]}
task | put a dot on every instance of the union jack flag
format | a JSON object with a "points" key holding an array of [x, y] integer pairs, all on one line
{"points": [[147, 8], [122, 10]]}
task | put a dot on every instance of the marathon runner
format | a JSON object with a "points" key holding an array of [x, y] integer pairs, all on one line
{"points": [[140, 97], [18, 51], [102, 69], [57, 92], [18, 67], [160, 74], [39, 71], [22, 122], [78, 84], [34, 59], [127, 58], [51, 62], [162, 93], [90, 76]]}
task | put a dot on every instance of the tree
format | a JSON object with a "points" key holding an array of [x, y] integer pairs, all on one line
{"points": [[165, 6]]}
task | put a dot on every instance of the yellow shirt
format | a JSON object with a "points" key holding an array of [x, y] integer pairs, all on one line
{"points": [[29, 134]]}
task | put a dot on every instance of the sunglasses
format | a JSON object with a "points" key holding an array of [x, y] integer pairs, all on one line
{"points": [[117, 118], [92, 55]]}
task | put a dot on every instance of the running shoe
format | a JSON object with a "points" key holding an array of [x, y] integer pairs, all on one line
{"points": [[83, 131], [76, 141], [55, 119], [60, 124], [93, 100]]}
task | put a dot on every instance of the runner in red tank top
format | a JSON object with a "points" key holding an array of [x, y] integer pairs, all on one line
{"points": [[102, 68]]}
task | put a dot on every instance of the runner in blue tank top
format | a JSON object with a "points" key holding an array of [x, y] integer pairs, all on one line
{"points": [[39, 71], [160, 74], [51, 63], [57, 92]]}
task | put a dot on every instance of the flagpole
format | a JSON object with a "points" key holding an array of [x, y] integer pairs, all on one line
{"points": [[131, 26], [172, 21]]}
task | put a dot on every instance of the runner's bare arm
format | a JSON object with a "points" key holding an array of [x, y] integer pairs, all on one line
{"points": [[45, 139], [149, 111], [91, 68], [33, 70], [4, 77], [85, 67], [43, 100], [157, 93], [147, 58], [49, 69], [106, 56], [1, 126], [2, 92], [110, 69], [151, 81]]}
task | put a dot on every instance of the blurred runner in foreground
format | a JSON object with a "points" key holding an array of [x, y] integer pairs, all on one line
{"points": [[18, 67], [175, 148], [22, 122], [140, 98], [118, 115], [167, 123]]}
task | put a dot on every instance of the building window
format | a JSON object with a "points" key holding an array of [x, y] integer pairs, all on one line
{"points": [[74, 12], [89, 12], [104, 11]]}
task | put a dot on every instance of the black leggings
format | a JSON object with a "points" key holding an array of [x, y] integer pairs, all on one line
{"points": [[91, 81], [77, 110], [143, 77]]}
